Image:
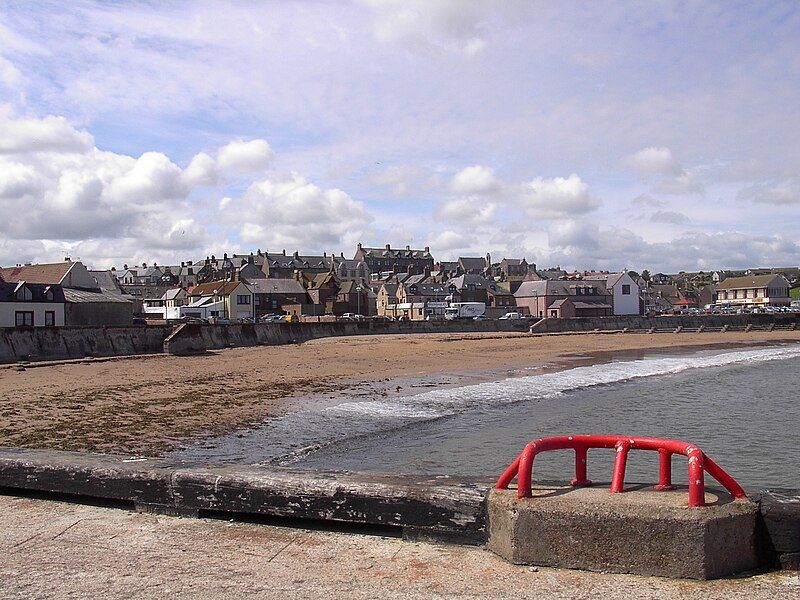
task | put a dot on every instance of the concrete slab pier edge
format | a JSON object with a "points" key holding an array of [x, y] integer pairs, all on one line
{"points": [[440, 509], [639, 532]]}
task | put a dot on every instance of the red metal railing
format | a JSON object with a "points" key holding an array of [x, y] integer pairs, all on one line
{"points": [[522, 467]]}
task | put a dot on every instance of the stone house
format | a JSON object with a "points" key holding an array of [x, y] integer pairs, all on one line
{"points": [[587, 298]]}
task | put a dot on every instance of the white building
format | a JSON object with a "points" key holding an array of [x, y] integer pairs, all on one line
{"points": [[624, 292], [31, 305]]}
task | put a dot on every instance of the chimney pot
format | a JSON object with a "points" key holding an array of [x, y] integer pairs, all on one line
{"points": [[284, 251], [427, 249], [388, 246], [408, 248]]}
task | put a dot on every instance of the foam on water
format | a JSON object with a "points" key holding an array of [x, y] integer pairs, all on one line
{"points": [[291, 438], [449, 401]]}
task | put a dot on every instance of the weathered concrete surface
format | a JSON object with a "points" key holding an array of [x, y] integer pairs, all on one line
{"points": [[55, 343], [671, 323], [641, 531], [60, 550], [193, 338], [780, 528], [423, 508]]}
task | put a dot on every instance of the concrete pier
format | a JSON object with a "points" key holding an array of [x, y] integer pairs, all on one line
{"points": [[578, 528], [640, 531]]}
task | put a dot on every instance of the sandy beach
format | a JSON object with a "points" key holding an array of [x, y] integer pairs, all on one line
{"points": [[147, 405]]}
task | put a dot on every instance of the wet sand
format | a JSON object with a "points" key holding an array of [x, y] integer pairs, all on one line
{"points": [[148, 405]]}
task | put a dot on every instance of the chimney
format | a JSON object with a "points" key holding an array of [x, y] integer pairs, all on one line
{"points": [[342, 254], [259, 252], [144, 265], [213, 258], [250, 260], [359, 245], [388, 246], [408, 248], [183, 264], [125, 266], [284, 251], [225, 256], [427, 249], [296, 254], [67, 259], [324, 254]]}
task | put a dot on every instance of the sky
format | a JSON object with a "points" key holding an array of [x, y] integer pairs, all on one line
{"points": [[588, 135]]}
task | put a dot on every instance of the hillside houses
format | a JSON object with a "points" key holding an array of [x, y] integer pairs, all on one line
{"points": [[388, 281]]}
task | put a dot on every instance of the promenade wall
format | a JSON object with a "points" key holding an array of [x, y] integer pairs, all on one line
{"points": [[56, 343], [635, 322]]}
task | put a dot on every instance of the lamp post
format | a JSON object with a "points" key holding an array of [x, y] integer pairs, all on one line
{"points": [[358, 298]]}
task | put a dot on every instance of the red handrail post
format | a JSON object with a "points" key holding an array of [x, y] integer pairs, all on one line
{"points": [[697, 490], [525, 472], [580, 468], [664, 471], [618, 477]]}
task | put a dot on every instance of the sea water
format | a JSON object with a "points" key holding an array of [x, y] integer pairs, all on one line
{"points": [[739, 406]]}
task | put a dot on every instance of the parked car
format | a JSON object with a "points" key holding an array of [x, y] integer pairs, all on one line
{"points": [[511, 316], [481, 318]]}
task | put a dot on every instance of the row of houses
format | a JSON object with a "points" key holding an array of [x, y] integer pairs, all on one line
{"points": [[393, 282], [57, 294]]}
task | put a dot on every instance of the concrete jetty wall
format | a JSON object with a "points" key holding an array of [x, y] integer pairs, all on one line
{"points": [[56, 343], [441, 508], [634, 322], [191, 338]]}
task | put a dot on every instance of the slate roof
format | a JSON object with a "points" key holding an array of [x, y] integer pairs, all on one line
{"points": [[480, 282], [75, 296], [214, 288], [8, 292], [106, 281], [472, 264], [550, 287], [759, 281], [277, 286], [395, 253]]}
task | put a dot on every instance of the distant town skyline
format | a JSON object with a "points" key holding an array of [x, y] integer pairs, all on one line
{"points": [[586, 135]]}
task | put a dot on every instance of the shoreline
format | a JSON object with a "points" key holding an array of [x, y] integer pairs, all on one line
{"points": [[152, 406]]}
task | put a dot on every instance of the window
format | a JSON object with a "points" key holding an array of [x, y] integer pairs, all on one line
{"points": [[49, 318], [24, 318], [242, 299], [626, 290]]}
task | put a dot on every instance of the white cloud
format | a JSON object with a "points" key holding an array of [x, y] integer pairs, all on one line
{"points": [[9, 74], [51, 134], [783, 193], [647, 200], [449, 241], [653, 160], [548, 198], [474, 180], [292, 211], [681, 185], [467, 210], [202, 170], [670, 217], [452, 25], [239, 157]]}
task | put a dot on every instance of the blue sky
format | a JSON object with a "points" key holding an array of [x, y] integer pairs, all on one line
{"points": [[590, 135]]}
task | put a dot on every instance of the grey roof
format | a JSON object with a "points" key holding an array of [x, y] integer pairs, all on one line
{"points": [[396, 253], [106, 281], [428, 289], [465, 280], [8, 291], [172, 293], [584, 304], [472, 264], [550, 287], [76, 296], [277, 286]]}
